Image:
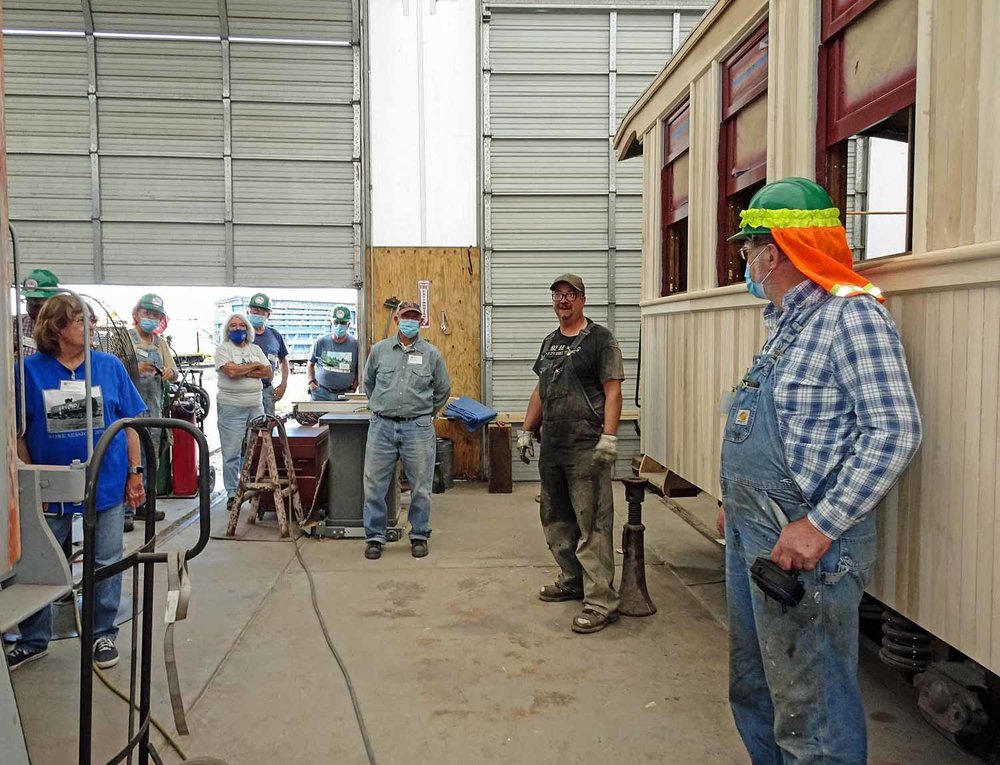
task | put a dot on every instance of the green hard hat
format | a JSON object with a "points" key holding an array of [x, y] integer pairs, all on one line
{"points": [[792, 194], [151, 302], [341, 313], [39, 284], [260, 300]]}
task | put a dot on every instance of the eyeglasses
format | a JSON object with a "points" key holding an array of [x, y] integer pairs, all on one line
{"points": [[79, 320], [341, 324], [259, 311], [570, 296], [745, 249]]}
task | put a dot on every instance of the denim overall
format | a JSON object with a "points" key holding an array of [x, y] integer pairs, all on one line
{"points": [[577, 504], [793, 682], [150, 387]]}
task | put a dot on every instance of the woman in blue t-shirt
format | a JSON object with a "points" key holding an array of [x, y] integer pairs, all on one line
{"points": [[56, 434]]}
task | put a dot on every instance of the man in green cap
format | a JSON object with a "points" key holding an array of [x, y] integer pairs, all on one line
{"points": [[818, 431], [333, 363], [156, 367], [36, 288], [269, 340], [578, 404]]}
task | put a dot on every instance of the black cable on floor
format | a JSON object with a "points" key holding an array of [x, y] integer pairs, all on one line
{"points": [[336, 654]]}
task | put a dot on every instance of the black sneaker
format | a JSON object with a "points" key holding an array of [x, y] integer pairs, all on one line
{"points": [[129, 523], [373, 550], [140, 514], [105, 653], [18, 656], [418, 548]]}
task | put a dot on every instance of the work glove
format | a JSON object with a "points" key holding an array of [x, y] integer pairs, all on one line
{"points": [[606, 451], [525, 447]]}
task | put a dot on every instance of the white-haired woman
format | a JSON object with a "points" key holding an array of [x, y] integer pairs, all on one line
{"points": [[241, 365]]}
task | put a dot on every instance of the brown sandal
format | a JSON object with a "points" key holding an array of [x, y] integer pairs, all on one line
{"points": [[556, 593], [593, 621]]}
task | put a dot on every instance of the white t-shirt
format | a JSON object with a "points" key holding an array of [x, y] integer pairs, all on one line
{"points": [[243, 391]]}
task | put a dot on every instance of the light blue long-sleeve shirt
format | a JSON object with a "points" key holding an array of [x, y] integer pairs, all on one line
{"points": [[406, 381]]}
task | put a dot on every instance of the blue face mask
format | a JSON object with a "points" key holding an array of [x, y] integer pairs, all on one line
{"points": [[339, 330], [257, 321], [238, 336], [756, 288], [409, 327], [148, 325]]}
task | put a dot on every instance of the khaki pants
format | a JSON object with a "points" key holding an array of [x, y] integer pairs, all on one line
{"points": [[577, 511]]}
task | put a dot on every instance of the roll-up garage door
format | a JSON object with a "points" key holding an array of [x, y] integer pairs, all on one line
{"points": [[556, 82], [187, 142]]}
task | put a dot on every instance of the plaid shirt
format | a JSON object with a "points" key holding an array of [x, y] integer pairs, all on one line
{"points": [[27, 330], [845, 406]]}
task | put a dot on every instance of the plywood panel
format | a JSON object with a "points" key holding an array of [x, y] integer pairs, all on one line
{"points": [[454, 273]]}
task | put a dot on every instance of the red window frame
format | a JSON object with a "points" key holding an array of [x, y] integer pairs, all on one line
{"points": [[839, 119], [744, 80], [674, 212]]}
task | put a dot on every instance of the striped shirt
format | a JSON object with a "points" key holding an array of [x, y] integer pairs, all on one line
{"points": [[846, 411]]}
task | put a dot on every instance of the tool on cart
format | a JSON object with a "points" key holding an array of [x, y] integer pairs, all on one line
{"points": [[260, 476], [635, 600]]}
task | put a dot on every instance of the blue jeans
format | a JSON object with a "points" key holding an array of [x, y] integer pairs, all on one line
{"points": [[322, 394], [233, 422], [36, 630], [268, 399], [793, 684], [415, 443]]}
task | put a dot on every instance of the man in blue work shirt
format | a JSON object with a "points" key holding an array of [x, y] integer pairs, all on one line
{"points": [[407, 384], [272, 343], [333, 363], [818, 431]]}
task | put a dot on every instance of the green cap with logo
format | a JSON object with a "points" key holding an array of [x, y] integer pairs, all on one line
{"points": [[260, 300], [39, 284], [342, 313], [151, 302]]}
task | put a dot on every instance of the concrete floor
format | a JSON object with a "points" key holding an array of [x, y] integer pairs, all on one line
{"points": [[454, 658]]}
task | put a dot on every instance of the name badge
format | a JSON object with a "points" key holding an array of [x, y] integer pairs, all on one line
{"points": [[74, 386], [414, 358], [142, 353]]}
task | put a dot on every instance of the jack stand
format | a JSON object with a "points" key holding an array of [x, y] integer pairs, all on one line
{"points": [[635, 600]]}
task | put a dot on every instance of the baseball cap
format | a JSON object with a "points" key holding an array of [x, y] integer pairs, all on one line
{"points": [[260, 300], [408, 306], [151, 302], [341, 313], [573, 280], [39, 283]]}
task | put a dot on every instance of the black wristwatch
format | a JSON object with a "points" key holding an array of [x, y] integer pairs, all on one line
{"points": [[137, 470]]}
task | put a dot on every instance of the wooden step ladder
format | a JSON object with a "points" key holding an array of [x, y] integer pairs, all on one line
{"points": [[266, 479]]}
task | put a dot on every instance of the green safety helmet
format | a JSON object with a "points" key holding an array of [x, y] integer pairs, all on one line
{"points": [[788, 203], [151, 302], [341, 313], [260, 300], [39, 284]]}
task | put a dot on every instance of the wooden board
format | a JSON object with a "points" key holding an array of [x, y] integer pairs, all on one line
{"points": [[467, 457], [454, 274], [501, 467]]}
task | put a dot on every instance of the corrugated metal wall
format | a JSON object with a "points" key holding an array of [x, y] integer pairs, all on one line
{"points": [[556, 82], [222, 145]]}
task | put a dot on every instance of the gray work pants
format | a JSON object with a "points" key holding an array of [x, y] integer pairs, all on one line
{"points": [[577, 511]]}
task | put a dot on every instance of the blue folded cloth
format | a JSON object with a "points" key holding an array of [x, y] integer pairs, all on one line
{"points": [[470, 413]]}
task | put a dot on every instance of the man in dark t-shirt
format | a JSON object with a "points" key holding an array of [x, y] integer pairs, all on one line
{"points": [[578, 401], [269, 340]]}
